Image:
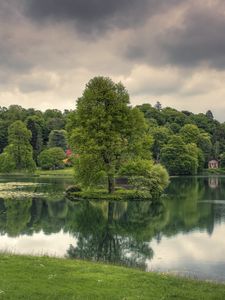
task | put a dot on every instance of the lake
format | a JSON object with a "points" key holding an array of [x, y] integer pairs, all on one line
{"points": [[182, 234]]}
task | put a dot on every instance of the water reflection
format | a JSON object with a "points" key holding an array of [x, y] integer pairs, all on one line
{"points": [[116, 232], [181, 233]]}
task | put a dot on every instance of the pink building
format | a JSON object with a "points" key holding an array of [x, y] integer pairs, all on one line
{"points": [[213, 164]]}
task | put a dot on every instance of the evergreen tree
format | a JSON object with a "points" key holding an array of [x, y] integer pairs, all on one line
{"points": [[158, 105], [178, 158], [57, 138], [34, 125], [19, 151], [209, 115]]}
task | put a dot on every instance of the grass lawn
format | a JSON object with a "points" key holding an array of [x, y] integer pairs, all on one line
{"points": [[51, 278]]}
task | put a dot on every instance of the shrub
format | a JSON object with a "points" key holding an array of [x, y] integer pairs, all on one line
{"points": [[6, 163], [145, 176], [51, 158]]}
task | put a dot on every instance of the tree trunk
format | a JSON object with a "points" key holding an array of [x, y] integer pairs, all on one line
{"points": [[111, 184], [110, 212]]}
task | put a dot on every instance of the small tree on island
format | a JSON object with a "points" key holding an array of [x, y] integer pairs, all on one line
{"points": [[107, 133]]}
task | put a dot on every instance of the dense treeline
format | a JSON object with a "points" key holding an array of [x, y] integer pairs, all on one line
{"points": [[25, 133], [182, 141], [40, 123]]}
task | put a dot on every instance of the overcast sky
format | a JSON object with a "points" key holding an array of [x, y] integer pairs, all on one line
{"points": [[172, 51]]}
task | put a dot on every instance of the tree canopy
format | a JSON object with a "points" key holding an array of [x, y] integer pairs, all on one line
{"points": [[109, 130], [18, 154]]}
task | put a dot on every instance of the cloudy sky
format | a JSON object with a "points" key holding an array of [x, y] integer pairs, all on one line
{"points": [[172, 51]]}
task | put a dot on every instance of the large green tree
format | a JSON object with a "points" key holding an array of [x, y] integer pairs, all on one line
{"points": [[107, 130], [161, 136], [35, 125], [57, 138], [19, 151], [3, 134], [179, 158]]}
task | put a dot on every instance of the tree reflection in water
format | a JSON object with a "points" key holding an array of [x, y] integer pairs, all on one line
{"points": [[118, 232], [110, 232]]}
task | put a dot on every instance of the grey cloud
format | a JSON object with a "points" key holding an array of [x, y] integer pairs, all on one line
{"points": [[198, 40], [47, 51], [201, 40], [29, 86], [94, 16]]}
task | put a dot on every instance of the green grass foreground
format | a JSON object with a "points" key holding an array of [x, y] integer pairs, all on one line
{"points": [[44, 278]]}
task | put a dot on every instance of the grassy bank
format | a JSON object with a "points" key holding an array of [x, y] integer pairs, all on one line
{"points": [[39, 172], [220, 171], [102, 194], [61, 172], [50, 278]]}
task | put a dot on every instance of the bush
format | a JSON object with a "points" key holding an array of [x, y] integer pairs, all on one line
{"points": [[6, 163], [179, 158], [89, 171], [52, 158], [145, 176]]}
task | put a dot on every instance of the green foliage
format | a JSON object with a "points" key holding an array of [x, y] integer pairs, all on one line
{"points": [[171, 115], [89, 171], [209, 115], [110, 102], [137, 167], [178, 158], [51, 158], [193, 135], [158, 105], [7, 165], [222, 160], [216, 150], [118, 195], [59, 173], [57, 138], [190, 133], [3, 134], [35, 125], [19, 151], [201, 129], [219, 171], [153, 115], [174, 127], [107, 129], [205, 144], [145, 176], [161, 136]]}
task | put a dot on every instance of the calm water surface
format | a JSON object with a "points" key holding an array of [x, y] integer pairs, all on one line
{"points": [[184, 233]]}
